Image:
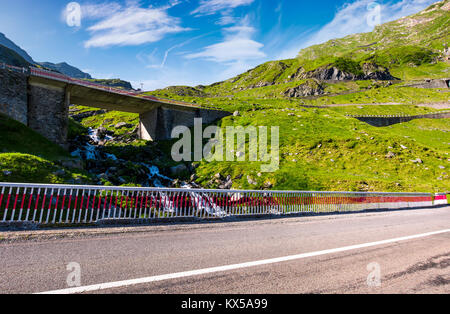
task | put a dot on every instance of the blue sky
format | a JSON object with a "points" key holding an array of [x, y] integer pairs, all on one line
{"points": [[183, 42]]}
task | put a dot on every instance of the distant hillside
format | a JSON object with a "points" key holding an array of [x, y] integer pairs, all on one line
{"points": [[63, 67], [66, 69], [309, 99], [10, 57], [117, 83], [27, 156], [428, 29], [4, 41], [181, 91], [12, 54], [411, 48]]}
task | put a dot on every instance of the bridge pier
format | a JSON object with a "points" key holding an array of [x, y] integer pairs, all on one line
{"points": [[48, 111], [147, 125], [40, 99], [157, 124]]}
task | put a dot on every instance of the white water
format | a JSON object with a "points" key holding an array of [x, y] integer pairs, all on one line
{"points": [[91, 152], [202, 202]]}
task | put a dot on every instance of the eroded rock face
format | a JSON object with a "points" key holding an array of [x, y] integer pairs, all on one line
{"points": [[370, 71], [329, 74], [375, 72], [80, 116], [310, 88]]}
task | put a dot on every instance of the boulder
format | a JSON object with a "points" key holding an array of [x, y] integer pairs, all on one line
{"points": [[59, 173], [178, 170], [194, 177], [251, 181], [72, 163], [228, 185], [309, 88], [390, 155], [103, 176], [121, 125], [102, 132]]}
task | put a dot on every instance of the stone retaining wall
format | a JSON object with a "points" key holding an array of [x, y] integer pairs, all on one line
{"points": [[380, 121], [13, 96]]}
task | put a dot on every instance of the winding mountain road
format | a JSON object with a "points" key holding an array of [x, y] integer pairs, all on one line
{"points": [[319, 254]]}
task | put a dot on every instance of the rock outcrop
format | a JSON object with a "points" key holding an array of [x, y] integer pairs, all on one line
{"points": [[369, 71], [309, 88]]}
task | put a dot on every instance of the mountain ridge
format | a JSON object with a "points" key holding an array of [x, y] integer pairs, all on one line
{"points": [[67, 69], [412, 47], [16, 56], [11, 57], [8, 43], [62, 67]]}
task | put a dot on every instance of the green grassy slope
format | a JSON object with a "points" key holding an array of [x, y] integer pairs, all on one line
{"points": [[321, 148], [10, 57], [411, 48], [26, 156], [116, 83], [324, 150]]}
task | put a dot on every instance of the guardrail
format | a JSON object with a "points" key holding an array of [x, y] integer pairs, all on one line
{"points": [[49, 204], [66, 79], [14, 68], [397, 115], [440, 199], [63, 78]]}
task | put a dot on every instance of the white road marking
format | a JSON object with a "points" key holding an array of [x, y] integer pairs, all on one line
{"points": [[210, 270]]}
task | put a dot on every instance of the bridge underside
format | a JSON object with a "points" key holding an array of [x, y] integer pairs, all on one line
{"points": [[43, 105], [49, 102]]}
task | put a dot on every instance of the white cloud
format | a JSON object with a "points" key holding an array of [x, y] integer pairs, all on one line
{"points": [[208, 7], [169, 77], [133, 26], [117, 25], [166, 54], [95, 11], [90, 11], [226, 20], [236, 53], [352, 18], [237, 47]]}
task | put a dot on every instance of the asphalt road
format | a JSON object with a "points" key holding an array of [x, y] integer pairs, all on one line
{"points": [[413, 265]]}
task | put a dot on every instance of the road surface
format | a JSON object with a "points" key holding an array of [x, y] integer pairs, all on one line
{"points": [[322, 254]]}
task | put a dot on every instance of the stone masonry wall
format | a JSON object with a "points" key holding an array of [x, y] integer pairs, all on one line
{"points": [[386, 121], [48, 113], [169, 118], [13, 95]]}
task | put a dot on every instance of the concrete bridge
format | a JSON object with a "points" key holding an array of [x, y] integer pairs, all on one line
{"points": [[381, 121], [40, 99]]}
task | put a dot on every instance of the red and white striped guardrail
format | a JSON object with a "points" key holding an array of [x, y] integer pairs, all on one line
{"points": [[440, 199], [43, 203], [66, 79], [14, 68], [63, 78]]}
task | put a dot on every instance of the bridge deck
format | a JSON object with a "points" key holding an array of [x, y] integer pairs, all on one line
{"points": [[69, 80]]}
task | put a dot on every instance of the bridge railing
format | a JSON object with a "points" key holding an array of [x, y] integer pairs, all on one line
{"points": [[13, 68], [66, 204], [63, 78]]}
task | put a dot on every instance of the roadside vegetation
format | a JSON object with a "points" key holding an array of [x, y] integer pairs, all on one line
{"points": [[308, 98], [26, 156]]}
